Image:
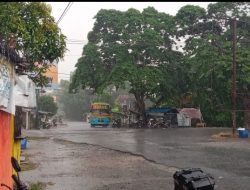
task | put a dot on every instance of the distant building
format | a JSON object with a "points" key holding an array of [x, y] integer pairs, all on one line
{"points": [[52, 74]]}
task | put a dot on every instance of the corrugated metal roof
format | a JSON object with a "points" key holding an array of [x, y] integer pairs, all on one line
{"points": [[191, 112]]}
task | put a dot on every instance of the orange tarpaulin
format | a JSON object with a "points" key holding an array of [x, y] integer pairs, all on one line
{"points": [[5, 150]]}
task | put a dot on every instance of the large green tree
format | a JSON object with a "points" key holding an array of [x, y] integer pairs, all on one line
{"points": [[46, 103], [130, 46], [208, 53], [29, 29], [75, 106]]}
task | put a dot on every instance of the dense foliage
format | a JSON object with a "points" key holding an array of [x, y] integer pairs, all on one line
{"points": [[208, 54], [46, 103], [141, 48], [73, 105], [130, 46], [29, 29], [76, 106]]}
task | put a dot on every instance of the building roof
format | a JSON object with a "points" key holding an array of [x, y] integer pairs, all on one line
{"points": [[162, 110], [191, 112]]}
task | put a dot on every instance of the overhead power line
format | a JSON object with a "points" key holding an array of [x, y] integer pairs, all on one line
{"points": [[76, 40], [79, 43], [79, 55], [64, 12]]}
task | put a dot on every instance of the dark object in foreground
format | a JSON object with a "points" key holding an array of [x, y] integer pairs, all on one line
{"points": [[19, 185], [193, 179]]}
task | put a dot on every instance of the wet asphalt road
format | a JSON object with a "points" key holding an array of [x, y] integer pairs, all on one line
{"points": [[228, 160]]}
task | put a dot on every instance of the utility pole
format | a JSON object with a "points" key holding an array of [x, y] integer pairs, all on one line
{"points": [[37, 113], [234, 77]]}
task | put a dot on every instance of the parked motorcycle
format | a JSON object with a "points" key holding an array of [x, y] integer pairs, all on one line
{"points": [[19, 185], [54, 122], [151, 123], [46, 124], [138, 124], [116, 123]]}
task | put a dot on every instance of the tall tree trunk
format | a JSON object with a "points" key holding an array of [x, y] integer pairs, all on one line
{"points": [[141, 105]]}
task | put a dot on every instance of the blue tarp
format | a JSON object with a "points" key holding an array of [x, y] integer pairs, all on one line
{"points": [[161, 110]]}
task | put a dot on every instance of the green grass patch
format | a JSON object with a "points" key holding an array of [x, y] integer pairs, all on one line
{"points": [[27, 164], [37, 186]]}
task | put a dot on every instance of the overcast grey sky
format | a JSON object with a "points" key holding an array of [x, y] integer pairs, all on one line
{"points": [[78, 21]]}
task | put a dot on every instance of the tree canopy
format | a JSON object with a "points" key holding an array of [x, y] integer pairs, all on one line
{"points": [[128, 46], [139, 48], [33, 34], [75, 106], [46, 103], [208, 54]]}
